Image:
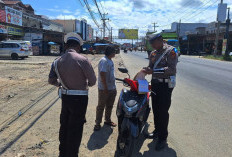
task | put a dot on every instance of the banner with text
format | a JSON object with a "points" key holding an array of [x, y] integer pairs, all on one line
{"points": [[15, 31], [3, 29], [128, 34], [13, 16]]}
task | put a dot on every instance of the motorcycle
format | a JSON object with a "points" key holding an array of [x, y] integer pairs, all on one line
{"points": [[132, 112]]}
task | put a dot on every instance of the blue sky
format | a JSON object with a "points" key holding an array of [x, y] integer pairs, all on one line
{"points": [[132, 13]]}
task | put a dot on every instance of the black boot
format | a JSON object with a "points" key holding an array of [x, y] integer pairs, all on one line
{"points": [[161, 144], [152, 135]]}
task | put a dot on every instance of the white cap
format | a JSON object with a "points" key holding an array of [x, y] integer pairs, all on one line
{"points": [[73, 36]]}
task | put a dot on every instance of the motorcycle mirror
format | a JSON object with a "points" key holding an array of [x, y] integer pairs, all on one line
{"points": [[123, 70]]}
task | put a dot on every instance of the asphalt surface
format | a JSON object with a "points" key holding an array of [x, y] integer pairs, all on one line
{"points": [[201, 112]]}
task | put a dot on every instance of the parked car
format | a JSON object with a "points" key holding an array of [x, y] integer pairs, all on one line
{"points": [[99, 48], [14, 49]]}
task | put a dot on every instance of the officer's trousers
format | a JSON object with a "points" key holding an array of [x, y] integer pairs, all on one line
{"points": [[161, 103], [72, 119]]}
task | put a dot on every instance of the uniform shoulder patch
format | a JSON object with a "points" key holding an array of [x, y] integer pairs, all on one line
{"points": [[174, 52], [153, 53]]}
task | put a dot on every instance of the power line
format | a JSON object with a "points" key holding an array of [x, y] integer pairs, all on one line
{"points": [[98, 8], [187, 11], [91, 13], [81, 3], [103, 8], [182, 11], [186, 16], [202, 10], [198, 9]]}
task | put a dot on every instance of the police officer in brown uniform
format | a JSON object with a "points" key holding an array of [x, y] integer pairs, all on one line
{"points": [[73, 73], [162, 66]]}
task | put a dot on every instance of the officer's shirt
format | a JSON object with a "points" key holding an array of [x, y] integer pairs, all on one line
{"points": [[75, 71], [168, 62]]}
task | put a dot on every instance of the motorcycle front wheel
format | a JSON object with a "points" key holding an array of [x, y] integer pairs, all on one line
{"points": [[128, 142]]}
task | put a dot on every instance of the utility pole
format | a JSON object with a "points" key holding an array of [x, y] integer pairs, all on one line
{"points": [[217, 35], [178, 29], [104, 19], [155, 26], [101, 31], [111, 35], [227, 33], [178, 35]]}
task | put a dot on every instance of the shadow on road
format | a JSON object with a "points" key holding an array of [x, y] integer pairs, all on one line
{"points": [[99, 139], [166, 152]]}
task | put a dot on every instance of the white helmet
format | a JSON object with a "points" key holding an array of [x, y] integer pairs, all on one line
{"points": [[73, 36]]}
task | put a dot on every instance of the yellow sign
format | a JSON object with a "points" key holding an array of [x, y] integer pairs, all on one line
{"points": [[224, 46], [128, 34], [15, 31]]}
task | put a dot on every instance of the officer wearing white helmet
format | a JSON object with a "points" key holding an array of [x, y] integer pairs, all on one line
{"points": [[72, 73], [165, 58]]}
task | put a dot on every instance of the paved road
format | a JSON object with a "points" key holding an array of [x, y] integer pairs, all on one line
{"points": [[201, 112]]}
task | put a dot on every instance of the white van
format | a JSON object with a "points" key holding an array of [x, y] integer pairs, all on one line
{"points": [[15, 49]]}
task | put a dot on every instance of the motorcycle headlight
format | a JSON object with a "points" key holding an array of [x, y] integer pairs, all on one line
{"points": [[130, 110]]}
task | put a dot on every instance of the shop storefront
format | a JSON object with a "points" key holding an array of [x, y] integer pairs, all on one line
{"points": [[3, 32], [51, 36]]}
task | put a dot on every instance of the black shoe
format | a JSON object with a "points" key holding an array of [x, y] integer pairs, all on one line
{"points": [[161, 144], [153, 135], [97, 127]]}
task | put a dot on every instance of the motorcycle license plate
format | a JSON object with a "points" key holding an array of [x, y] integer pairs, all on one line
{"points": [[143, 86]]}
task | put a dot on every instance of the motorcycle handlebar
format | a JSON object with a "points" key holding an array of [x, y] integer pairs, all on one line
{"points": [[119, 79]]}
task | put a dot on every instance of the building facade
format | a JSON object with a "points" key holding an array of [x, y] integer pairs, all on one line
{"points": [[79, 26], [19, 22]]}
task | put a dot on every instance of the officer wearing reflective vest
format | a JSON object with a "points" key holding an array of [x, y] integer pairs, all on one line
{"points": [[162, 66], [73, 73]]}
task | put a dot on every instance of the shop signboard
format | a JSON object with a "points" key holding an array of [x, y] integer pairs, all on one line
{"points": [[224, 46], [2, 16], [15, 31], [128, 34], [33, 36], [3, 29], [221, 13], [13, 16]]}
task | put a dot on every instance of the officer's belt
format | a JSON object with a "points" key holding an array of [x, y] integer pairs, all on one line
{"points": [[73, 92], [160, 80]]}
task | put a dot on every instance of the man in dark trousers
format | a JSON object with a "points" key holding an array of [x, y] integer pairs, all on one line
{"points": [[73, 73], [164, 57]]}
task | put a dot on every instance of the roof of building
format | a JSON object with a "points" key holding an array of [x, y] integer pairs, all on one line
{"points": [[11, 2], [28, 6]]}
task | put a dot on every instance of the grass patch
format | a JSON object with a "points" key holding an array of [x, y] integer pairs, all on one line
{"points": [[221, 58]]}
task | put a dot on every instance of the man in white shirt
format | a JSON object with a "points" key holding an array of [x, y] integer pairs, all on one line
{"points": [[106, 88]]}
